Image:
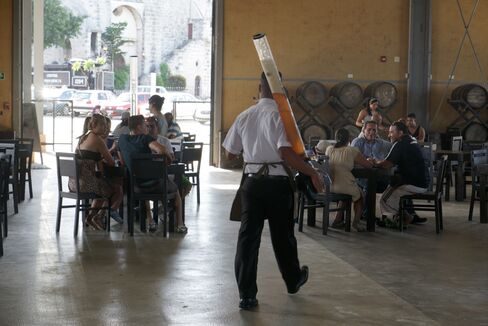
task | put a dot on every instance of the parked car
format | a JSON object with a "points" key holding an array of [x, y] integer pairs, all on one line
{"points": [[147, 89], [183, 105], [202, 114], [122, 103], [85, 101], [59, 97]]}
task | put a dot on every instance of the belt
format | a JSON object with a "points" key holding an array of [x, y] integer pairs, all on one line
{"points": [[273, 177]]}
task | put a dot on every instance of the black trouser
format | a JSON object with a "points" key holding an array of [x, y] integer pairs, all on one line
{"points": [[263, 198]]}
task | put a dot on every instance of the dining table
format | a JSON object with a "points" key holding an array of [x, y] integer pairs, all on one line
{"points": [[371, 175], [483, 180]]}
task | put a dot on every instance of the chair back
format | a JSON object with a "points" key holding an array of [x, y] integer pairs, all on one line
{"points": [[441, 173], [148, 166], [67, 167], [189, 137], [26, 146], [478, 156], [457, 143], [10, 147], [4, 176], [191, 154], [428, 155]]}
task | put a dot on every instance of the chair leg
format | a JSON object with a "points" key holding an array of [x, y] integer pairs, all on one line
{"points": [[437, 217], [58, 215], [130, 217], [441, 217], [107, 220], [471, 204], [348, 216], [401, 216], [325, 218], [30, 184], [301, 209], [1, 237], [77, 217], [198, 189], [15, 196]]}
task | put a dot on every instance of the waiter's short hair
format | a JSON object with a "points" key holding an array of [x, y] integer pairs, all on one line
{"points": [[135, 121], [400, 126], [412, 115]]}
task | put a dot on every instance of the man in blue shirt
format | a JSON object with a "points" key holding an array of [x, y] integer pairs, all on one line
{"points": [[372, 147], [370, 144]]}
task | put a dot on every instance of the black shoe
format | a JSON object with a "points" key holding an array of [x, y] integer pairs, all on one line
{"points": [[419, 220], [303, 279], [248, 303]]}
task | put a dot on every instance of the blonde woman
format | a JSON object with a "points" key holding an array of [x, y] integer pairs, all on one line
{"points": [[93, 153]]}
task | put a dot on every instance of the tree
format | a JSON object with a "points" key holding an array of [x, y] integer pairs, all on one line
{"points": [[164, 73], [112, 40], [176, 82], [121, 76], [60, 24]]}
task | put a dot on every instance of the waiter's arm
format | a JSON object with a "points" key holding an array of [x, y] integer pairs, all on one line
{"points": [[230, 156], [296, 162]]}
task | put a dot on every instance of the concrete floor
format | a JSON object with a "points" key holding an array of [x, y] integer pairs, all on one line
{"points": [[382, 278]]}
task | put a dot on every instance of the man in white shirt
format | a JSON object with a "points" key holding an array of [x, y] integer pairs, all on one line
{"points": [[266, 193]]}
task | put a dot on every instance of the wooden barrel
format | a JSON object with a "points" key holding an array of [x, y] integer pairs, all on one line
{"points": [[315, 131], [349, 94], [475, 132], [473, 94], [353, 130], [313, 92], [385, 92]]}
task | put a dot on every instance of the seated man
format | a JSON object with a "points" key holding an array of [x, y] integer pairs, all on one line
{"points": [[174, 130], [374, 148], [138, 141], [418, 132], [407, 156]]}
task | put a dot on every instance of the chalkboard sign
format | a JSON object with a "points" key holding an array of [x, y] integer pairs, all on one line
{"points": [[30, 126]]}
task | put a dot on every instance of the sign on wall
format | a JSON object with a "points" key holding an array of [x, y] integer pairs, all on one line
{"points": [[57, 78]]}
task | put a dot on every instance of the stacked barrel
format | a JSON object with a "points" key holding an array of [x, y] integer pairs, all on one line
{"points": [[346, 98]]}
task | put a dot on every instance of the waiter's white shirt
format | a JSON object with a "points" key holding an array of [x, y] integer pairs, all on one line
{"points": [[259, 133]]}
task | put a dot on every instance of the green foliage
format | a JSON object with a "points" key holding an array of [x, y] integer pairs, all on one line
{"points": [[76, 66], [60, 24], [164, 73], [112, 39], [88, 65], [121, 76], [176, 82], [100, 61]]}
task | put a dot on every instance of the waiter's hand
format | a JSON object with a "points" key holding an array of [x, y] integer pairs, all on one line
{"points": [[318, 182]]}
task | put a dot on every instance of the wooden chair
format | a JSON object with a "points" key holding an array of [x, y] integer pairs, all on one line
{"points": [[428, 155], [150, 167], [479, 156], [191, 156], [434, 200], [25, 149], [68, 167], [308, 198], [4, 176], [10, 147]]}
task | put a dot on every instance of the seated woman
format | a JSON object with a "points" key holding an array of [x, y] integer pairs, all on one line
{"points": [[341, 161], [153, 130], [370, 113], [93, 151]]}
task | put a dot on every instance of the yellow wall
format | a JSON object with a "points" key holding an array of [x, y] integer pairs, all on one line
{"points": [[326, 40], [6, 63], [312, 40], [447, 33]]}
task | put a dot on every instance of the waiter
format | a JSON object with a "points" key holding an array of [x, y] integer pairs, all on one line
{"points": [[266, 192]]}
